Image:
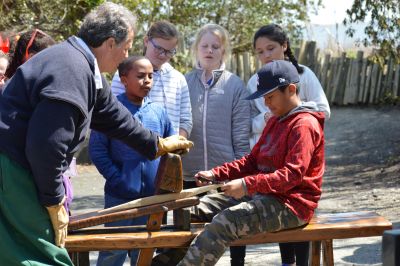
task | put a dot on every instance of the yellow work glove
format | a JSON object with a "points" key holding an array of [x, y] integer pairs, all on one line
{"points": [[175, 143], [59, 218]]}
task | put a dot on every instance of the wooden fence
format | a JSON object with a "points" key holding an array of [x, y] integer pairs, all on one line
{"points": [[345, 80]]}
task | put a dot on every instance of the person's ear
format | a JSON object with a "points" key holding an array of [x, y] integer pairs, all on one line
{"points": [[110, 43], [284, 46], [292, 89], [124, 80], [146, 40]]}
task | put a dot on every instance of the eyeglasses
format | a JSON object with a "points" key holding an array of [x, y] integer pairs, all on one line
{"points": [[32, 39], [160, 50]]}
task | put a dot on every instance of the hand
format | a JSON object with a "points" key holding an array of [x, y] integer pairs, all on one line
{"points": [[172, 144], [234, 188], [204, 178], [59, 218]]}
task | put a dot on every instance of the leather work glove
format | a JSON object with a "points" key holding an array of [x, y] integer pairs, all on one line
{"points": [[59, 218], [175, 143]]}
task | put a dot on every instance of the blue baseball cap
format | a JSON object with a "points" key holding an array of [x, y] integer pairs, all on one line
{"points": [[276, 74]]}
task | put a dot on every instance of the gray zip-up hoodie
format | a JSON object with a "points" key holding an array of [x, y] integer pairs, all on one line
{"points": [[221, 121]]}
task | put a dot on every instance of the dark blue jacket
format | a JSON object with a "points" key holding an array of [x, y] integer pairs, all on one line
{"points": [[46, 109], [129, 175]]}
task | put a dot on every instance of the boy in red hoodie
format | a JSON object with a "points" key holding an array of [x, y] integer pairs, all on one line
{"points": [[277, 186]]}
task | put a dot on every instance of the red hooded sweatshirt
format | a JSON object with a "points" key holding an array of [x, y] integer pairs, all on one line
{"points": [[287, 161]]}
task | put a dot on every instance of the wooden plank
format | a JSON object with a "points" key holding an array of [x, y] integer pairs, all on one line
{"points": [[146, 254], [363, 80], [337, 81], [156, 199], [315, 253], [327, 248], [94, 218], [322, 227], [388, 88], [240, 71], [396, 81], [257, 65], [246, 66], [354, 79], [303, 53], [324, 73], [346, 87], [342, 81], [233, 64], [379, 86], [367, 89], [331, 78], [312, 55], [374, 80]]}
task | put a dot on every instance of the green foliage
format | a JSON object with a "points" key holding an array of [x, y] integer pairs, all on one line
{"points": [[383, 30], [390, 99], [59, 18], [240, 17]]}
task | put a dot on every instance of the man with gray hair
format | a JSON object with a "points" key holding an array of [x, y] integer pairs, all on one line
{"points": [[45, 112]]}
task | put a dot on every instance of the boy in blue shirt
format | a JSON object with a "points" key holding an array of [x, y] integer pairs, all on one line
{"points": [[128, 174]]}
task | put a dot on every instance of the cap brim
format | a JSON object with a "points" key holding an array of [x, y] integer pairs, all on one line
{"points": [[259, 94]]}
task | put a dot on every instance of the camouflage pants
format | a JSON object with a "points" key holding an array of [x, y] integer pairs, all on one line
{"points": [[233, 220]]}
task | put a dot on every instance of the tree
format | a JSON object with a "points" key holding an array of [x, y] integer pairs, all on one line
{"points": [[383, 30], [240, 17], [59, 18]]}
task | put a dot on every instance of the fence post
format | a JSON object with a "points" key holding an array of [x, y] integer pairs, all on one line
{"points": [[324, 73], [233, 64], [311, 54], [302, 53], [353, 80], [246, 66], [363, 80], [396, 81], [239, 60], [340, 81], [389, 76], [374, 80]]}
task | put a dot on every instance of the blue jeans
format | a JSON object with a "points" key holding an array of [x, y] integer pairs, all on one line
{"points": [[117, 257]]}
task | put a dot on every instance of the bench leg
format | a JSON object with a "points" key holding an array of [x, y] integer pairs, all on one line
{"points": [[80, 258], [327, 248], [315, 253]]}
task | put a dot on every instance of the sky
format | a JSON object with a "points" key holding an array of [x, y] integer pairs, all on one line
{"points": [[331, 12]]}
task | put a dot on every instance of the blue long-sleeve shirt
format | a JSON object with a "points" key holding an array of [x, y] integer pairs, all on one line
{"points": [[128, 174]]}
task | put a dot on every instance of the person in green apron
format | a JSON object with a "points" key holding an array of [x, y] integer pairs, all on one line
{"points": [[46, 109]]}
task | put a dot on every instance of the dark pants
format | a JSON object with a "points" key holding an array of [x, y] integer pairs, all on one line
{"points": [[295, 252]]}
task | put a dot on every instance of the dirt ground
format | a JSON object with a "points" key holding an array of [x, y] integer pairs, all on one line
{"points": [[362, 173]]}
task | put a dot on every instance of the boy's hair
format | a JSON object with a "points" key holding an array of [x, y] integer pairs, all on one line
{"points": [[127, 64], [218, 31], [283, 88], [164, 30], [275, 33], [39, 42], [108, 20]]}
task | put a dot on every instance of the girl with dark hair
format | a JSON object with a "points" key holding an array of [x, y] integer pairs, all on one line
{"points": [[29, 43], [272, 43]]}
